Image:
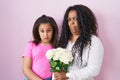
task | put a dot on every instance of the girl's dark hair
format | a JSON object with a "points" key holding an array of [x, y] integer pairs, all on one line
{"points": [[87, 26], [43, 20]]}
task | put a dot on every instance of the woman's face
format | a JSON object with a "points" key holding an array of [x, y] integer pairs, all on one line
{"points": [[73, 22]]}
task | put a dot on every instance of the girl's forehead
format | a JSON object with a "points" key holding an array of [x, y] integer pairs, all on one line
{"points": [[45, 26]]}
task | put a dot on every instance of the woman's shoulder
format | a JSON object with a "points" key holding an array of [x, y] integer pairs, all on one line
{"points": [[95, 39]]}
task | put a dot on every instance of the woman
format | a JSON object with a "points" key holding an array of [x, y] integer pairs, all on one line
{"points": [[79, 35]]}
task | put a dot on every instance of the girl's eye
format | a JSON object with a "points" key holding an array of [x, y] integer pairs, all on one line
{"points": [[49, 30], [42, 31]]}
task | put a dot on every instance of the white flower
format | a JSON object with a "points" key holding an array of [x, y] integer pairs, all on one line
{"points": [[59, 57], [61, 54], [50, 54], [66, 56]]}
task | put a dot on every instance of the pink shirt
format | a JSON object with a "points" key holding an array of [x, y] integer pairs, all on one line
{"points": [[40, 64]]}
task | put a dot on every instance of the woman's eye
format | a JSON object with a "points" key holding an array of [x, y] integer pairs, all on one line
{"points": [[69, 19], [72, 19]]}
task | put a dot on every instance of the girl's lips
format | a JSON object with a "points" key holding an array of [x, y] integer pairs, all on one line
{"points": [[45, 38]]}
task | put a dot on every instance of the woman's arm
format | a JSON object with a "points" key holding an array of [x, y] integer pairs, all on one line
{"points": [[94, 62], [27, 69]]}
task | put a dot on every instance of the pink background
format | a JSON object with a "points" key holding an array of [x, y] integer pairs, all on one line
{"points": [[17, 18]]}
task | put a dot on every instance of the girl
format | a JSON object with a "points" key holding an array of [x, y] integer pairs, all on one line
{"points": [[35, 64]]}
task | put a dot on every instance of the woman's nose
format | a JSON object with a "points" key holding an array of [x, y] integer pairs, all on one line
{"points": [[72, 22]]}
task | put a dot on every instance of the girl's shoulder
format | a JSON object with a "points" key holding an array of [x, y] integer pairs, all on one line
{"points": [[45, 46], [31, 43]]}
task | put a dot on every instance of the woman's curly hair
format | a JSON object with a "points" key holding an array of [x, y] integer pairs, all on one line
{"points": [[87, 26]]}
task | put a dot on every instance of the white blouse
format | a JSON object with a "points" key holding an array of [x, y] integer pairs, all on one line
{"points": [[91, 61]]}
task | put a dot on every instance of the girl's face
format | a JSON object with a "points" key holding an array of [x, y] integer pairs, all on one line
{"points": [[46, 33], [73, 22]]}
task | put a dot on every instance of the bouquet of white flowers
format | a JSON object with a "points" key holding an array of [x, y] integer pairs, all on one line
{"points": [[59, 59]]}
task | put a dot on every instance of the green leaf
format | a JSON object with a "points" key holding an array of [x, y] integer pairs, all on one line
{"points": [[53, 64], [57, 66], [58, 69]]}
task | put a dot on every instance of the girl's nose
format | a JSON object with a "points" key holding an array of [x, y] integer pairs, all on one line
{"points": [[45, 34]]}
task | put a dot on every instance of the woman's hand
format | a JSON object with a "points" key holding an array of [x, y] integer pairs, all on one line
{"points": [[60, 75]]}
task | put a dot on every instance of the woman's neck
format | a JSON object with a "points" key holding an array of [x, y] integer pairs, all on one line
{"points": [[73, 38]]}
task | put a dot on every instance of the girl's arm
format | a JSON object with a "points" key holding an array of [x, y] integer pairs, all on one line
{"points": [[27, 69]]}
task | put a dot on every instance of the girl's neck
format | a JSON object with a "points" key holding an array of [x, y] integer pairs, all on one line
{"points": [[73, 38], [45, 44]]}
